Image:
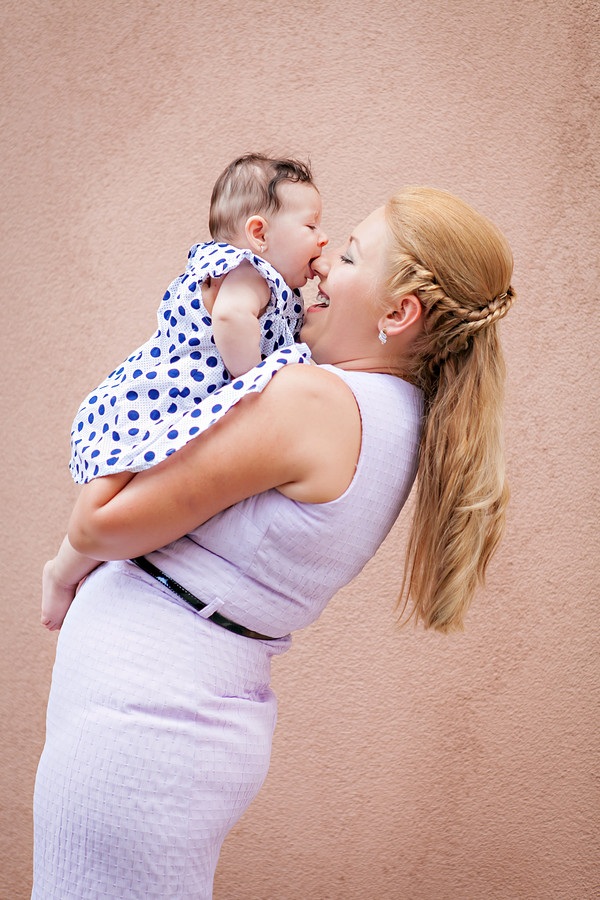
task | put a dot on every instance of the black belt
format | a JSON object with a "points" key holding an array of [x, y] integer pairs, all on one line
{"points": [[193, 601]]}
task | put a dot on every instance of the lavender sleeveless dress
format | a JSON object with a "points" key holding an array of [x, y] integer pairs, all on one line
{"points": [[160, 722]]}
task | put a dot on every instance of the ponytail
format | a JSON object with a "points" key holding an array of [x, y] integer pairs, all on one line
{"points": [[459, 265]]}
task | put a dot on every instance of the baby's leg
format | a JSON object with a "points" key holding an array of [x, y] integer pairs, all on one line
{"points": [[56, 599], [63, 574]]}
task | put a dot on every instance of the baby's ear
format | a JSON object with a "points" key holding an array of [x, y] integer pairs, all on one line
{"points": [[256, 233]]}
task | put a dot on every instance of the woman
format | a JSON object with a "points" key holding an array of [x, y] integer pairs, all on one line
{"points": [[160, 717]]}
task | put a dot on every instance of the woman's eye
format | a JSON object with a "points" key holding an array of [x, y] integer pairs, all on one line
{"points": [[346, 259]]}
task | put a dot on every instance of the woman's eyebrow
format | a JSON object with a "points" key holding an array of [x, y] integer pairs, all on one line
{"points": [[353, 240]]}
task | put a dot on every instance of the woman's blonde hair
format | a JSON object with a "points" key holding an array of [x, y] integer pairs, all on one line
{"points": [[459, 265]]}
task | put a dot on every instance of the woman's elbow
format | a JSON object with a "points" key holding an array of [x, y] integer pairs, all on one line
{"points": [[100, 518], [87, 537], [80, 538]]}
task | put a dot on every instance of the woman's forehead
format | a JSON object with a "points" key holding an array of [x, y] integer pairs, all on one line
{"points": [[370, 231]]}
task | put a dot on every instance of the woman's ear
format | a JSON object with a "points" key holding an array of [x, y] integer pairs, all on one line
{"points": [[406, 313], [256, 233]]}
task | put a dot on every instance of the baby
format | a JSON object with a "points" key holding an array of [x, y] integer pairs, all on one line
{"points": [[236, 309], [236, 304]]}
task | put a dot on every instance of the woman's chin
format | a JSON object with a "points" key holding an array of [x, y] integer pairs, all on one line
{"points": [[307, 335], [313, 345]]}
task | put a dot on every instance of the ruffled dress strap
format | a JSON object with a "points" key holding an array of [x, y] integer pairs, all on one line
{"points": [[216, 259], [283, 317]]}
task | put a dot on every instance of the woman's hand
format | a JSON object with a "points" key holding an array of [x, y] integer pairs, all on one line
{"points": [[301, 435]]}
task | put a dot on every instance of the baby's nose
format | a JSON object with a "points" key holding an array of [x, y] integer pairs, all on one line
{"points": [[323, 239]]}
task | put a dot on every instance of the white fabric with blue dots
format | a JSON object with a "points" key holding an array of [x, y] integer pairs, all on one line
{"points": [[175, 385]]}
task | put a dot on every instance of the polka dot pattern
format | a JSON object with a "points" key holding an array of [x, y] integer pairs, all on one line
{"points": [[175, 385]]}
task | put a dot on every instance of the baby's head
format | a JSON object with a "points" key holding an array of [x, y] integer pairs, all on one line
{"points": [[272, 207]]}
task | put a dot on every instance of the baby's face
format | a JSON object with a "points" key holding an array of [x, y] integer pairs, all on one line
{"points": [[294, 235]]}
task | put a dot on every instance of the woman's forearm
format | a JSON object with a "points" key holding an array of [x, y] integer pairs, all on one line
{"points": [[157, 506], [301, 435]]}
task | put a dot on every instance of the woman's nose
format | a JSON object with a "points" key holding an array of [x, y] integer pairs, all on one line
{"points": [[320, 265]]}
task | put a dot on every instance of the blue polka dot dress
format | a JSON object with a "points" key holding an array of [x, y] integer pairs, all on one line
{"points": [[176, 385]]}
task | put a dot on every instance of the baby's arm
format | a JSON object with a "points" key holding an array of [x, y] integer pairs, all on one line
{"points": [[242, 297]]}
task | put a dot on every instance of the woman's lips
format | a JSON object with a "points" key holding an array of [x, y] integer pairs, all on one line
{"points": [[322, 302]]}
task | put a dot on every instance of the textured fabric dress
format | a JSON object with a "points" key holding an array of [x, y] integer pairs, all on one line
{"points": [[166, 392], [160, 721]]}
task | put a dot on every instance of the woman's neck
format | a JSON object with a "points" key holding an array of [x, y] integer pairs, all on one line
{"points": [[374, 365]]}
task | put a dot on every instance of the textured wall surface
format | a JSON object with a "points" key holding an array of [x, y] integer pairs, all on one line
{"points": [[405, 765]]}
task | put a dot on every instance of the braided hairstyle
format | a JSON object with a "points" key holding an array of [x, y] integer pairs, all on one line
{"points": [[459, 265]]}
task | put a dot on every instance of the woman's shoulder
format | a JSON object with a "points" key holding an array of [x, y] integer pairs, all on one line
{"points": [[337, 404], [310, 404], [312, 384], [331, 383]]}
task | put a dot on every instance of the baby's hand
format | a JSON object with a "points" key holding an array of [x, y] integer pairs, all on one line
{"points": [[56, 598]]}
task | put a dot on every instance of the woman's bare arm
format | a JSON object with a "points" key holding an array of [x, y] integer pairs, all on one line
{"points": [[301, 435]]}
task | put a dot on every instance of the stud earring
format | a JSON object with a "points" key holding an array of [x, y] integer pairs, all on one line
{"points": [[383, 336]]}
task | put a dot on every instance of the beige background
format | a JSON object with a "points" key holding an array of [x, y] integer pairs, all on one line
{"points": [[405, 765]]}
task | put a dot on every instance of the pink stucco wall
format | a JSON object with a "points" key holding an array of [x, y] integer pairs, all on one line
{"points": [[406, 765]]}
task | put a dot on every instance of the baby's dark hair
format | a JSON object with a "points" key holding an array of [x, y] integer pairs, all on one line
{"points": [[248, 187]]}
